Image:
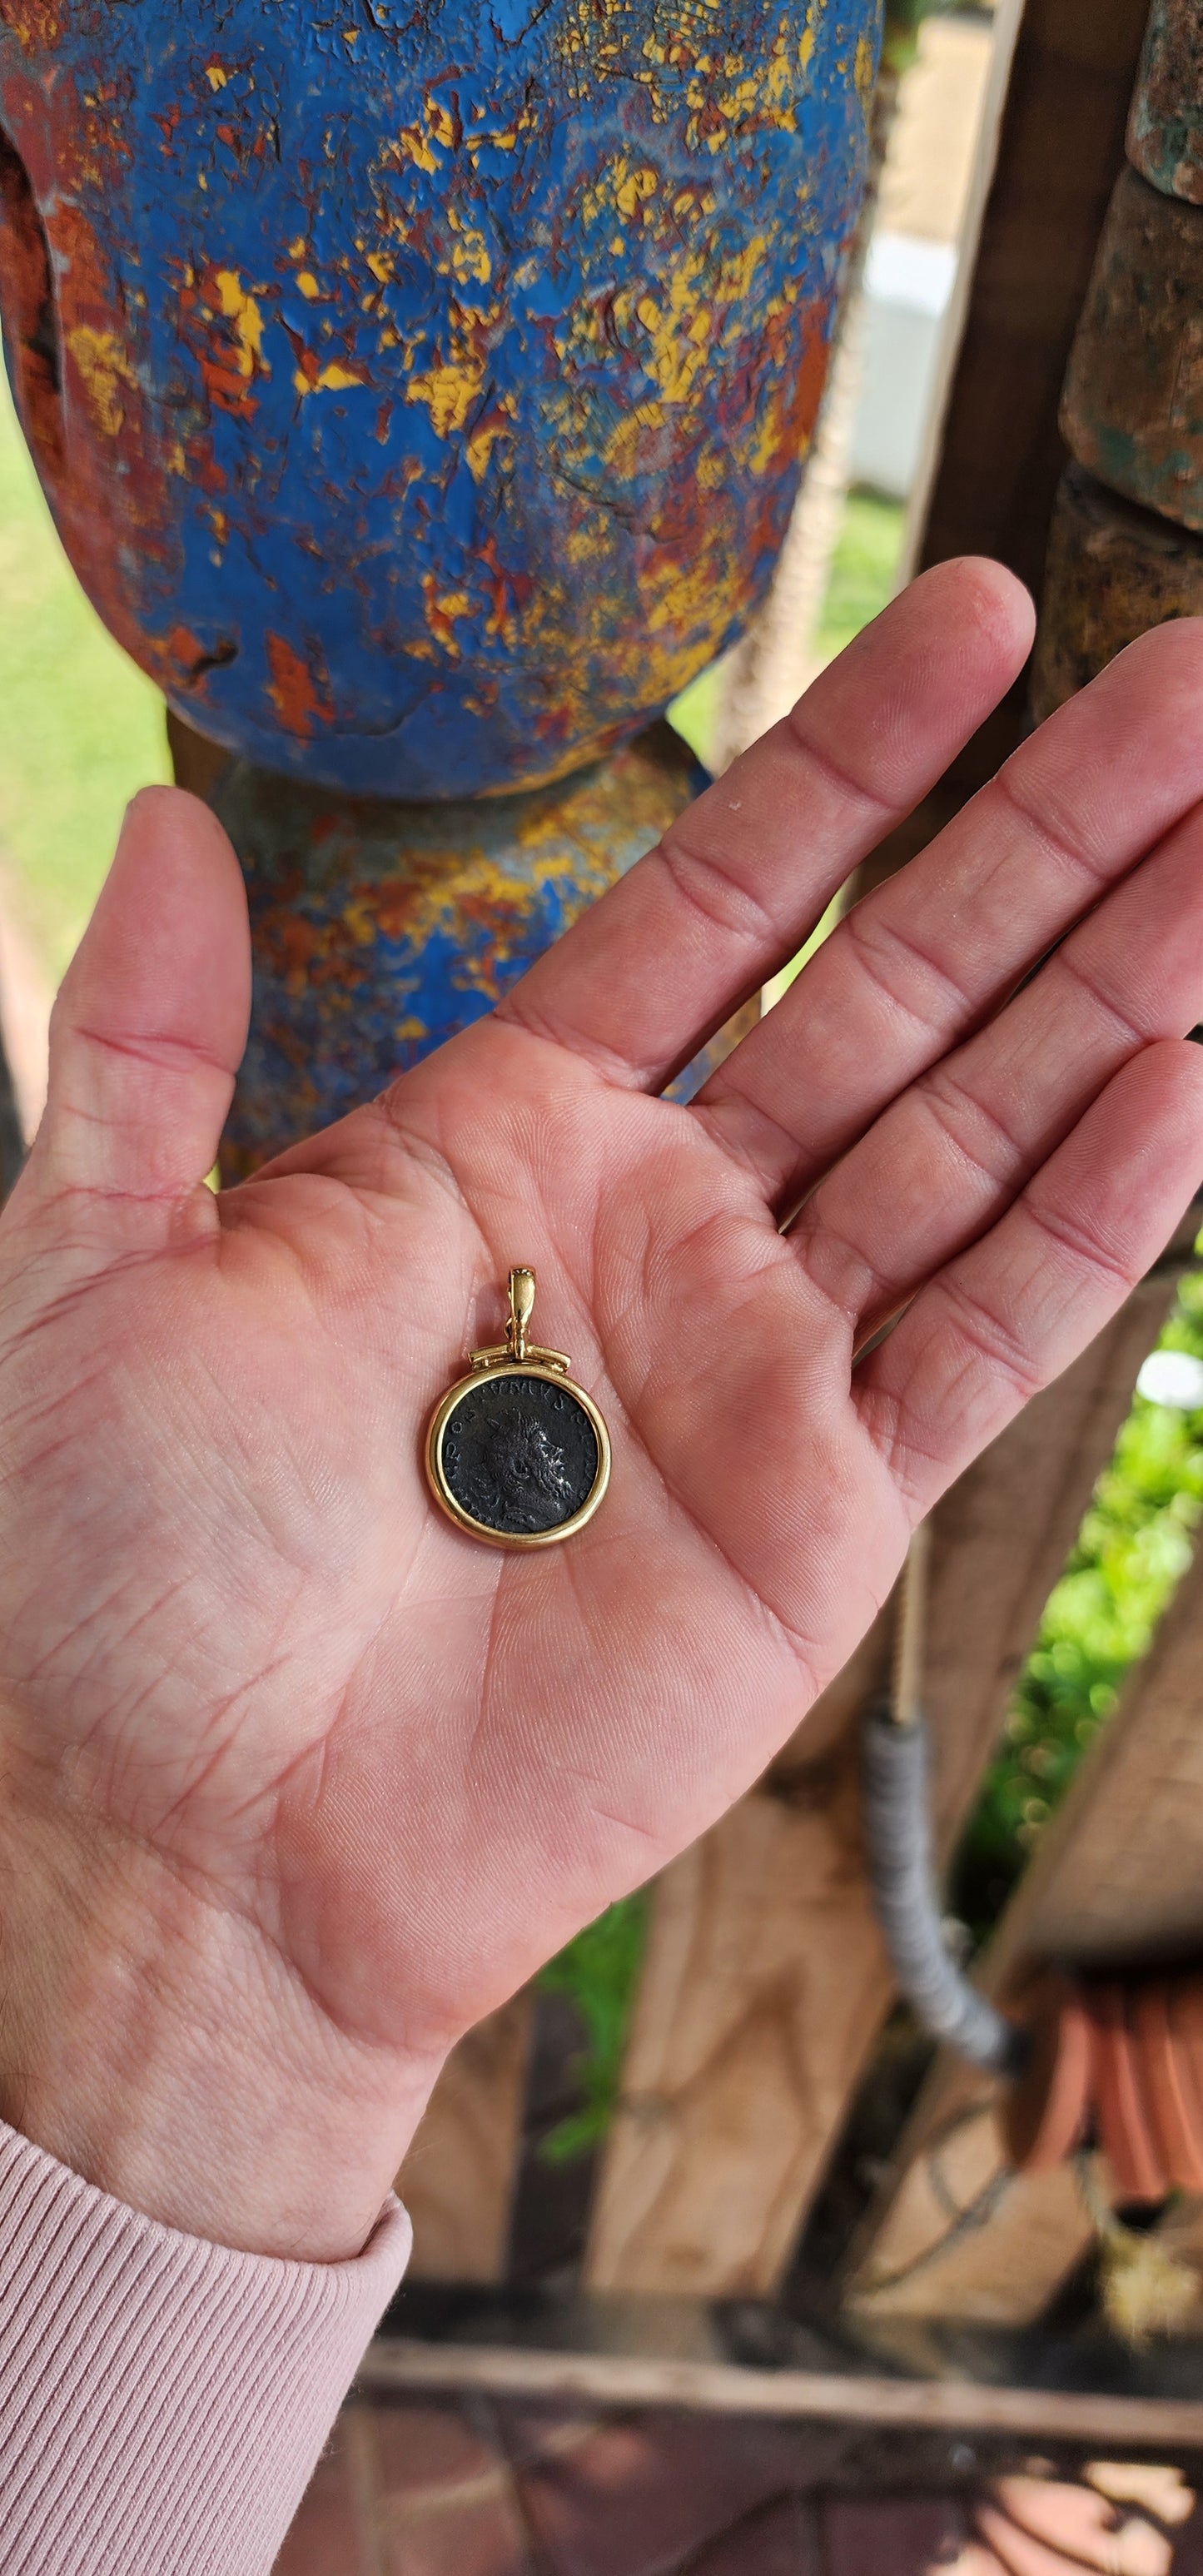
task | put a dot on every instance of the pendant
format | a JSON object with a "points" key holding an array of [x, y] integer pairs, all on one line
{"points": [[516, 1454]]}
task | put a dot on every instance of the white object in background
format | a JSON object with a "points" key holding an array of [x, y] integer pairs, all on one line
{"points": [[1172, 1377], [908, 283]]}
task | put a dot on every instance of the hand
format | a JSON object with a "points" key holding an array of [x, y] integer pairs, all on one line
{"points": [[300, 1781], [1046, 2527]]}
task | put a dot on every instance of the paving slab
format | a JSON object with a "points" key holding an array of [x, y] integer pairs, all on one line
{"points": [[330, 2536], [886, 2535], [784, 2540], [639, 2496], [475, 2484]]}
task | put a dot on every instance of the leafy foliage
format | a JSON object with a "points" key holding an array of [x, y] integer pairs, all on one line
{"points": [[1133, 1548], [597, 1972]]}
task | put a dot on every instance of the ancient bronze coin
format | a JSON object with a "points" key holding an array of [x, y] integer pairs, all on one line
{"points": [[516, 1453]]}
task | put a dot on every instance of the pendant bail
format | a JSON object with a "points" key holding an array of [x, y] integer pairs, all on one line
{"points": [[516, 1350], [522, 1302]]}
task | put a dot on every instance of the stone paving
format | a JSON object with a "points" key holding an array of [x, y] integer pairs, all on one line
{"points": [[414, 2486]]}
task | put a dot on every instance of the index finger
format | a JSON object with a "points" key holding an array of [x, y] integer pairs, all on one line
{"points": [[738, 883]]}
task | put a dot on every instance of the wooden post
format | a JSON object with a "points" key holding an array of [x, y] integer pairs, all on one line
{"points": [[1165, 129], [1133, 405], [1114, 570], [458, 2178], [1059, 145], [1117, 1881], [765, 1982], [1127, 542], [1118, 1873]]}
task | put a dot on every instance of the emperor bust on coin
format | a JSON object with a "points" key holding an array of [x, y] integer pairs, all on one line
{"points": [[516, 1454]]}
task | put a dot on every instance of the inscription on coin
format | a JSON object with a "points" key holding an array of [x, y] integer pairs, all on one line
{"points": [[520, 1454]]}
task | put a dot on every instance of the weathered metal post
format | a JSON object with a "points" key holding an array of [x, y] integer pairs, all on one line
{"points": [[1126, 547], [420, 391]]}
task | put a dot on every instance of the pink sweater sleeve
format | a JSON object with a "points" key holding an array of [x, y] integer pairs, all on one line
{"points": [[162, 2401]]}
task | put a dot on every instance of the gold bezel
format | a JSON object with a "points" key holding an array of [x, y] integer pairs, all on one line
{"points": [[441, 1490]]}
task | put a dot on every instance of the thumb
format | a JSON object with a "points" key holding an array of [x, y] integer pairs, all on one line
{"points": [[151, 1021]]}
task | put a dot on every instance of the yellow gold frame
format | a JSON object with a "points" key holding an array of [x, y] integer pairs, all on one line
{"points": [[441, 1490]]}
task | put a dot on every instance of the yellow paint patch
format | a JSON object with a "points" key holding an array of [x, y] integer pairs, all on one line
{"points": [[689, 316], [334, 379], [496, 142], [360, 920], [443, 609], [412, 142], [635, 190], [479, 447], [581, 545], [216, 75], [308, 285], [469, 255], [241, 309], [104, 370], [865, 71], [448, 393]]}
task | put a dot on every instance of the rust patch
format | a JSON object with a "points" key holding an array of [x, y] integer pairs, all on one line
{"points": [[299, 701]]}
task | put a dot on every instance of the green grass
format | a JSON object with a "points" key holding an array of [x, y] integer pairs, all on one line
{"points": [[863, 572], [694, 715], [80, 728]]}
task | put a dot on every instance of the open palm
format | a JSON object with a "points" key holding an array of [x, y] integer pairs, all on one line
{"points": [[301, 1779]]}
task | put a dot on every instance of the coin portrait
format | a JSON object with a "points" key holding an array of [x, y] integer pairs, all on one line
{"points": [[518, 1456]]}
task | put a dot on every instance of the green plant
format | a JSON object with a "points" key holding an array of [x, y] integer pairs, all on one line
{"points": [[597, 1971], [1132, 1551]]}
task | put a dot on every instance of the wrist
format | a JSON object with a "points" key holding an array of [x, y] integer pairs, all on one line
{"points": [[159, 2044]]}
